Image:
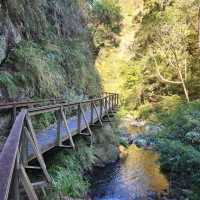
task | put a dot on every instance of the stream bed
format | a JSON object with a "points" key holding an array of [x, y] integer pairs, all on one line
{"points": [[136, 176]]}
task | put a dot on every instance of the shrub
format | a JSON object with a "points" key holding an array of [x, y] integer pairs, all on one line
{"points": [[6, 81], [67, 169], [184, 119]]}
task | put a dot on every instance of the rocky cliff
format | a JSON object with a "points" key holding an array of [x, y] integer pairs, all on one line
{"points": [[46, 49]]}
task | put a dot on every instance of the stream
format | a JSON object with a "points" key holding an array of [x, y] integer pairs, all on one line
{"points": [[136, 176]]}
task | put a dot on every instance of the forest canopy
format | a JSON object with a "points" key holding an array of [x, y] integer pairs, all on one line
{"points": [[166, 51]]}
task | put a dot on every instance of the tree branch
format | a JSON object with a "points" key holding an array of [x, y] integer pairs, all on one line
{"points": [[161, 77]]}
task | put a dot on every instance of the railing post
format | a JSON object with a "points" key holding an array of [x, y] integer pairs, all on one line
{"points": [[14, 113], [16, 190], [24, 148], [115, 100], [106, 103], [92, 112], [79, 118], [112, 101], [101, 108], [59, 125], [109, 100]]}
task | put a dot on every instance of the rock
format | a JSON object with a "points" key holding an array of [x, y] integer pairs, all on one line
{"points": [[193, 137], [152, 129], [137, 123], [3, 47], [106, 154], [9, 35], [140, 142], [4, 123]]}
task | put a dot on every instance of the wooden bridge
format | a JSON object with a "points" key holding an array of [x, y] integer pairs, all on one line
{"points": [[24, 145]]}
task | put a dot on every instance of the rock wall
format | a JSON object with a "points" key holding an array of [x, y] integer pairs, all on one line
{"points": [[46, 49]]}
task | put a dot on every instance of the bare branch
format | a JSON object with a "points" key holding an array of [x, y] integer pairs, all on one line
{"points": [[161, 77]]}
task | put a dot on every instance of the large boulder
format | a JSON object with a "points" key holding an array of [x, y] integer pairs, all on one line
{"points": [[106, 154], [9, 35]]}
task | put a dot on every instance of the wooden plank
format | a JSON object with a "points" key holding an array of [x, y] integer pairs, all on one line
{"points": [[86, 123], [16, 192], [101, 107], [39, 156], [107, 114], [32, 167], [79, 118], [59, 126], [33, 140], [39, 184], [92, 112], [27, 184], [67, 128], [95, 108], [8, 156], [24, 148]]}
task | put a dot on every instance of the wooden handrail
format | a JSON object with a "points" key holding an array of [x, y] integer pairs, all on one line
{"points": [[8, 155], [22, 104]]}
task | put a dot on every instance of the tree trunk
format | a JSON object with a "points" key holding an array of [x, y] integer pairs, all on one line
{"points": [[184, 86], [199, 28]]}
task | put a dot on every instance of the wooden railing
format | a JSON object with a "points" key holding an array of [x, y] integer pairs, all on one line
{"points": [[15, 156]]}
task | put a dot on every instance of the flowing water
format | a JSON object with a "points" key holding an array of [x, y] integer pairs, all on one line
{"points": [[136, 176]]}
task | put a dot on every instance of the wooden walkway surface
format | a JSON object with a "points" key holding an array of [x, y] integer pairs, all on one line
{"points": [[47, 139]]}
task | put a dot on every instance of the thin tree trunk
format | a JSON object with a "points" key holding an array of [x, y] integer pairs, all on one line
{"points": [[184, 86], [199, 28]]}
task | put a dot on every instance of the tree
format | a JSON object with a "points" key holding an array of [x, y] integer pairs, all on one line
{"points": [[106, 22]]}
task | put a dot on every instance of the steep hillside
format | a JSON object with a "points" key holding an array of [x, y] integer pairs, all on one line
{"points": [[46, 50]]}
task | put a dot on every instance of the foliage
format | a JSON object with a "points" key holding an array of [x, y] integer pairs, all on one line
{"points": [[178, 144], [55, 56], [160, 110], [106, 22], [68, 168], [44, 120], [6, 81], [165, 47]]}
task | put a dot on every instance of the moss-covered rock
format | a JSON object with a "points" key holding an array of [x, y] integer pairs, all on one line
{"points": [[106, 141], [193, 137], [106, 154]]}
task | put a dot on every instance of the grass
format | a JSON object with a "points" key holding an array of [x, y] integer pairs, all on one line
{"points": [[67, 168], [51, 69], [6, 81]]}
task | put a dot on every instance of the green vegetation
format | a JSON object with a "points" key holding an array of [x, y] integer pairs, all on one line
{"points": [[68, 168], [156, 71], [43, 120], [106, 22], [178, 144], [54, 56]]}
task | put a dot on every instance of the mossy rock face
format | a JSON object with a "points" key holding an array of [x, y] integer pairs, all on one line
{"points": [[106, 145], [106, 154], [46, 49]]}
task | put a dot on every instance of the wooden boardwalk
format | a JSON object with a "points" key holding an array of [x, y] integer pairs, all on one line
{"points": [[24, 144], [47, 139]]}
